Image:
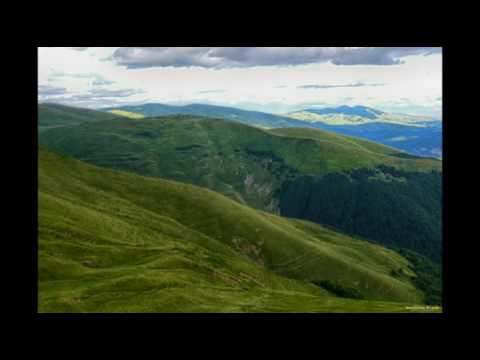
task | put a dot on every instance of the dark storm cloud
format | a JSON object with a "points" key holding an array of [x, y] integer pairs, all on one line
{"points": [[381, 55], [228, 57], [358, 84]]}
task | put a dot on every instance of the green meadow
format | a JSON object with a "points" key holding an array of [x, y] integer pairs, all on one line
{"points": [[112, 241]]}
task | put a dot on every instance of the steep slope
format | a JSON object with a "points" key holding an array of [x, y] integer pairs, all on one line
{"points": [[270, 169], [117, 242], [55, 115], [407, 203]]}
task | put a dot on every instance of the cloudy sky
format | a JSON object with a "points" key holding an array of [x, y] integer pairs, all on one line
{"points": [[396, 79]]}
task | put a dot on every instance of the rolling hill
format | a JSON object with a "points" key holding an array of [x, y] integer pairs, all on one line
{"points": [[309, 174], [55, 115], [355, 115], [423, 141], [253, 118], [416, 135], [111, 241]]}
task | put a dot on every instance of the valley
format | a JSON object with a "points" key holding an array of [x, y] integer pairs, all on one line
{"points": [[239, 180], [416, 135], [111, 241], [275, 170]]}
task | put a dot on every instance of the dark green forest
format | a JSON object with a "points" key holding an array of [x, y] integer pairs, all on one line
{"points": [[429, 276], [390, 206]]}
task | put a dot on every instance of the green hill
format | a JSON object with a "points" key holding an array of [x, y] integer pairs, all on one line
{"points": [[112, 241], [55, 115], [416, 135], [407, 204], [354, 185], [248, 117]]}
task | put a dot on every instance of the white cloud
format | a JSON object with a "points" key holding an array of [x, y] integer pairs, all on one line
{"points": [[269, 88]]}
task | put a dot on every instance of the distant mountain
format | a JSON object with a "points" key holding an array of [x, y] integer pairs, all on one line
{"points": [[423, 141], [355, 115], [303, 173], [361, 111], [255, 118], [416, 135]]}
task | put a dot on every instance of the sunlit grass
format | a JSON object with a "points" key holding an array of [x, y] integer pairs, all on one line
{"points": [[128, 114], [111, 241]]}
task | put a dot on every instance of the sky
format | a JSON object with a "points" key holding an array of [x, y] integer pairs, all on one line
{"points": [[271, 79]]}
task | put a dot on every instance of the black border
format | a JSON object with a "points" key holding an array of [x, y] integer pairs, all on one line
{"points": [[34, 130], [33, 55]]}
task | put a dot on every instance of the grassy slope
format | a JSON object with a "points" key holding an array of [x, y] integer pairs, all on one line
{"points": [[418, 141], [55, 115], [218, 154], [113, 241], [353, 152], [253, 118], [264, 169]]}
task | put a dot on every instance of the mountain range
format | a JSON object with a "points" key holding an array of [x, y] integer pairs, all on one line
{"points": [[356, 115], [297, 172], [194, 213], [417, 135]]}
